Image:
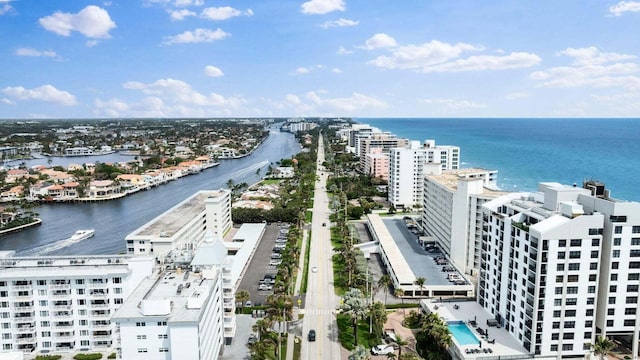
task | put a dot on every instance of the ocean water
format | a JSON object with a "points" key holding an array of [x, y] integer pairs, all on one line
{"points": [[528, 151]]}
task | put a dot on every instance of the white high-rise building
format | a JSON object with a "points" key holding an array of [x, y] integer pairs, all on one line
{"points": [[406, 170], [451, 212], [64, 303], [183, 226], [557, 267], [177, 314]]}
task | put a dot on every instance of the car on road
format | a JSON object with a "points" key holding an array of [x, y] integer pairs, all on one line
{"points": [[252, 339], [312, 335], [324, 224], [382, 349], [265, 287], [275, 262], [314, 269], [276, 256]]}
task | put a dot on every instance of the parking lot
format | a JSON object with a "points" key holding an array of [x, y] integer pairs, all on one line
{"points": [[259, 266]]}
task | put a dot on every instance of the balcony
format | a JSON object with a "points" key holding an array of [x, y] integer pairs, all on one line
{"points": [[22, 287], [63, 314], [60, 287], [63, 325], [26, 330], [98, 285], [99, 295], [23, 308], [24, 319], [61, 295], [26, 340]]}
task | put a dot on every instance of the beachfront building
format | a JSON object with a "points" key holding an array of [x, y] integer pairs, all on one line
{"points": [[181, 229], [381, 140], [64, 303], [451, 212], [558, 267], [406, 170], [376, 164], [176, 314]]}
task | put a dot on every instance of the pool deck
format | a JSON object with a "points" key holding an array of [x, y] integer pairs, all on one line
{"points": [[466, 311]]}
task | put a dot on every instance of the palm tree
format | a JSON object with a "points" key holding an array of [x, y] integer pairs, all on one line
{"points": [[359, 353], [602, 347], [354, 304], [378, 315], [384, 282], [400, 342], [420, 282], [391, 355], [400, 293], [242, 296]]}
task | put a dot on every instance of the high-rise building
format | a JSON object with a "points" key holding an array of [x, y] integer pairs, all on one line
{"points": [[376, 164], [557, 267], [451, 211], [406, 170], [64, 303]]}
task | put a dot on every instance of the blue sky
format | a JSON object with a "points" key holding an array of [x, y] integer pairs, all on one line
{"points": [[364, 58]]}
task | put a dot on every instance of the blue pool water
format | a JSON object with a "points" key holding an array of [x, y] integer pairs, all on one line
{"points": [[462, 333]]}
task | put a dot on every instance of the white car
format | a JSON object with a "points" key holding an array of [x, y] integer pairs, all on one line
{"points": [[314, 269], [382, 349], [265, 287], [275, 262]]}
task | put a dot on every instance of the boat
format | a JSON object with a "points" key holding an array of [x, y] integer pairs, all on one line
{"points": [[82, 234]]}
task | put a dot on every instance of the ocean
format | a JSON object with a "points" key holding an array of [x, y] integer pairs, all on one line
{"points": [[528, 151]]}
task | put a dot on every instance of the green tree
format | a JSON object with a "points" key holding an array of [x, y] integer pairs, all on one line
{"points": [[359, 353], [602, 347], [400, 294], [401, 343], [420, 282], [384, 282], [378, 315], [354, 304], [242, 296]]}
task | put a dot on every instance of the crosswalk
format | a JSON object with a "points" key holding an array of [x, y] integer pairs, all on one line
{"points": [[317, 311]]}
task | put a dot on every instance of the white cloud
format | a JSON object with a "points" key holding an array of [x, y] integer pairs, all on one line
{"points": [[592, 56], [196, 36], [322, 6], [420, 56], [302, 70], [378, 41], [453, 104], [624, 6], [92, 22], [591, 68], [339, 23], [345, 105], [213, 71], [223, 13], [486, 62], [516, 95], [35, 53], [292, 99], [7, 101], [179, 15], [336, 70], [91, 43], [343, 51], [184, 3], [4, 9], [46, 93], [169, 98]]}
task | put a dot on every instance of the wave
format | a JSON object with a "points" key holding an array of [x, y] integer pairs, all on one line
{"points": [[248, 169], [51, 247]]}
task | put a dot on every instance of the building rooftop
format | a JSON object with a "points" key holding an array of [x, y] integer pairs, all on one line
{"points": [[57, 266], [449, 179], [174, 295], [170, 222]]}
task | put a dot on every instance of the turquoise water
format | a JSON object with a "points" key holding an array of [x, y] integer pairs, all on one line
{"points": [[528, 151], [462, 333]]}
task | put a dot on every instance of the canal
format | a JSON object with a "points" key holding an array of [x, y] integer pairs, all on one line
{"points": [[113, 220]]}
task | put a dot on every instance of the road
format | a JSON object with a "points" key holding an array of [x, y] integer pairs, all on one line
{"points": [[321, 301]]}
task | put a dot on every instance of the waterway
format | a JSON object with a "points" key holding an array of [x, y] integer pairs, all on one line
{"points": [[114, 220]]}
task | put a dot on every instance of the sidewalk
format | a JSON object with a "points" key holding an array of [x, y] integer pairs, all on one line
{"points": [[296, 292]]}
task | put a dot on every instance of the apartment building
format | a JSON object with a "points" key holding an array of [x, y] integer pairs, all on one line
{"points": [[451, 211], [557, 267], [406, 170], [382, 140], [64, 303], [376, 164], [183, 226], [176, 314]]}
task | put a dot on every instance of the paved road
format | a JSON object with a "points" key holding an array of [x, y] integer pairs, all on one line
{"points": [[321, 302]]}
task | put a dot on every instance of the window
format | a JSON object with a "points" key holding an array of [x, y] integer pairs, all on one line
{"points": [[614, 277], [595, 242], [589, 312], [554, 347], [44, 323], [570, 313], [573, 278], [609, 322], [577, 242], [163, 350], [572, 289], [117, 301], [618, 230], [559, 278], [613, 288], [574, 266], [79, 281], [117, 280], [632, 300], [567, 347], [612, 300], [141, 337], [41, 302], [616, 253], [632, 288], [588, 323], [587, 335], [571, 301], [569, 324], [142, 350], [561, 254], [557, 302], [42, 282], [567, 336], [630, 311], [562, 243], [560, 267], [635, 241], [592, 277], [84, 342], [635, 229], [559, 290], [163, 336], [634, 253], [593, 266], [141, 324], [555, 336], [556, 313], [162, 323], [617, 241], [611, 311], [591, 289], [556, 324], [629, 322], [594, 254], [617, 218], [80, 291]]}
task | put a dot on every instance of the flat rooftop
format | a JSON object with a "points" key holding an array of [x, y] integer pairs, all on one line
{"points": [[449, 179], [421, 262], [164, 288], [57, 266], [174, 219]]}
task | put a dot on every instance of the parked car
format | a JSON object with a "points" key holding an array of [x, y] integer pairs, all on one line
{"points": [[252, 339], [265, 287], [312, 335], [382, 349], [276, 256], [275, 262]]}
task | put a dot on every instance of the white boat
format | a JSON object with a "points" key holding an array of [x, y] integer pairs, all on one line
{"points": [[82, 234]]}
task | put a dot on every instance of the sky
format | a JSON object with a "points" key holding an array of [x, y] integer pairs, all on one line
{"points": [[351, 58]]}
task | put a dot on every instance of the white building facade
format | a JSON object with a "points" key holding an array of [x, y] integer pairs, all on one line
{"points": [[63, 303], [558, 267], [451, 211], [406, 170]]}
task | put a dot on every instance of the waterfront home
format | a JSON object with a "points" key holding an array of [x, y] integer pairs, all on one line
{"points": [[70, 190], [282, 172], [39, 189], [253, 204], [103, 189], [191, 167], [131, 181], [73, 167], [54, 191], [59, 177], [15, 193], [14, 175]]}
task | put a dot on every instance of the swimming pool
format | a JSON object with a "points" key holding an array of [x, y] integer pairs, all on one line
{"points": [[462, 333]]}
